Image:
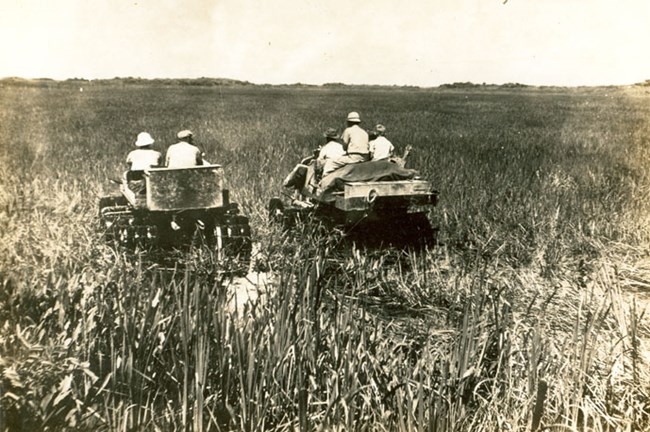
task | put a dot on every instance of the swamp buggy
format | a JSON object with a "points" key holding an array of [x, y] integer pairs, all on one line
{"points": [[376, 203], [165, 209]]}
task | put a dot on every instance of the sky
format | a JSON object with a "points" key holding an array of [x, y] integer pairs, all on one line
{"points": [[388, 42]]}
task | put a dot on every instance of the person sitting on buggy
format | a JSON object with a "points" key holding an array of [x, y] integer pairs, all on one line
{"points": [[330, 151], [355, 143], [140, 159], [380, 147], [311, 167], [184, 154]]}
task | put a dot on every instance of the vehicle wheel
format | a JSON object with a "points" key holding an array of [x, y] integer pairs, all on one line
{"points": [[232, 239], [112, 201], [108, 222], [419, 231]]}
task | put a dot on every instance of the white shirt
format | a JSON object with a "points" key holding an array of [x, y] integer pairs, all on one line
{"points": [[331, 150], [381, 148], [141, 159], [183, 155]]}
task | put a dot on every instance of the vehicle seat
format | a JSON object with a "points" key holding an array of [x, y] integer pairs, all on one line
{"points": [[135, 181], [134, 175]]}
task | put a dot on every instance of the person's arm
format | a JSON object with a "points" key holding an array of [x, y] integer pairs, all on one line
{"points": [[320, 160], [345, 137], [371, 149]]}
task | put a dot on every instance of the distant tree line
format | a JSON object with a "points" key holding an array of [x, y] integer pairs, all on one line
{"points": [[225, 82], [80, 82]]}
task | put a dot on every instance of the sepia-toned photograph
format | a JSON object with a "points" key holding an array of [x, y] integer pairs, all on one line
{"points": [[381, 216]]}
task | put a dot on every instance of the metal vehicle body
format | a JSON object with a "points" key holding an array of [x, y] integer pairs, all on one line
{"points": [[383, 211], [163, 208]]}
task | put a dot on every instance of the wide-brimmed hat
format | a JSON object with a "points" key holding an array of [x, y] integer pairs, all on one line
{"points": [[354, 117], [144, 139], [331, 133], [184, 134], [380, 129]]}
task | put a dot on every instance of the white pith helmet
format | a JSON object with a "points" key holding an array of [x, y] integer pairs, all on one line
{"points": [[354, 117], [144, 139]]}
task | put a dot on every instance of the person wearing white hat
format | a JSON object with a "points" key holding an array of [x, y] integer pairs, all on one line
{"points": [[380, 147], [184, 153], [355, 143], [144, 156]]}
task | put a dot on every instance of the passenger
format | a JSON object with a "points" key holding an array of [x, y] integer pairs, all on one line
{"points": [[355, 143], [184, 154], [140, 159], [144, 156], [380, 147], [298, 176], [330, 151]]}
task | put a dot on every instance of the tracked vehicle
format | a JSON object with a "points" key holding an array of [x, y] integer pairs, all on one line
{"points": [[166, 209], [376, 203]]}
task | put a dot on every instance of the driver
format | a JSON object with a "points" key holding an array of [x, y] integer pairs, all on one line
{"points": [[184, 154]]}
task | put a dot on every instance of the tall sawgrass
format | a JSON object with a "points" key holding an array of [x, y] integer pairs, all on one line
{"points": [[147, 348]]}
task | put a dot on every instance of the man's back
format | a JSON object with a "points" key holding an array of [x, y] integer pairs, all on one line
{"points": [[183, 155], [381, 148], [141, 159], [331, 150], [356, 140]]}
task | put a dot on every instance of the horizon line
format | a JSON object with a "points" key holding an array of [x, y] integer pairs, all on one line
{"points": [[333, 83]]}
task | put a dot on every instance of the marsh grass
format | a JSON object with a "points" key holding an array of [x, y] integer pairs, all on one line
{"points": [[525, 316]]}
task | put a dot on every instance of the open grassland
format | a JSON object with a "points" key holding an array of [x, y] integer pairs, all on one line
{"points": [[529, 314]]}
